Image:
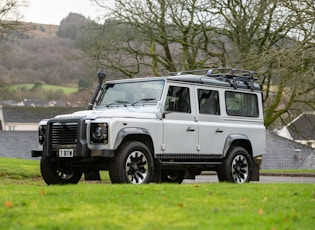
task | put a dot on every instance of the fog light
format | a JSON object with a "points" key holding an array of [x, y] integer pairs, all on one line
{"points": [[41, 134]]}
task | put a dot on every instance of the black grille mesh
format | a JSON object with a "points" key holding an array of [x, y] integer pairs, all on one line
{"points": [[64, 134]]}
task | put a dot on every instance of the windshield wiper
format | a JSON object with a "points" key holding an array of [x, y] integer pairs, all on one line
{"points": [[117, 103], [144, 100]]}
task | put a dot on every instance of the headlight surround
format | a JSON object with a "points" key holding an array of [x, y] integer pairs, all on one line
{"points": [[99, 133]]}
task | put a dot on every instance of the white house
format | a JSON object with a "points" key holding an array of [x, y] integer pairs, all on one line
{"points": [[301, 129], [20, 118]]}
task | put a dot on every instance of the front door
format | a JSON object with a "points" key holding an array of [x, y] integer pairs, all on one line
{"points": [[180, 133]]}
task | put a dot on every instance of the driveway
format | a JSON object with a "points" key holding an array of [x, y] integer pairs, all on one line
{"points": [[263, 179]]}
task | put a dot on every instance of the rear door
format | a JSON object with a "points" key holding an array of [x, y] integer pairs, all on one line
{"points": [[212, 132]]}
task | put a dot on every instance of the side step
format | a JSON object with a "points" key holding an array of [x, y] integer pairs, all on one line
{"points": [[183, 164], [187, 165]]}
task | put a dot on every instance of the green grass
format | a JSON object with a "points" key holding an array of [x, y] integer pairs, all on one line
{"points": [[45, 87], [289, 171], [27, 203], [19, 169]]}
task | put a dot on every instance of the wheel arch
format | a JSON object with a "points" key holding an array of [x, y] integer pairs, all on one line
{"points": [[134, 134], [237, 140]]}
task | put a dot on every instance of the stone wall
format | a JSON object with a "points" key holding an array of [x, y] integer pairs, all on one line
{"points": [[283, 153], [18, 144]]}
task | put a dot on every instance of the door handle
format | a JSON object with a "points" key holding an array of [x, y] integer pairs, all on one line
{"points": [[219, 130], [189, 129]]}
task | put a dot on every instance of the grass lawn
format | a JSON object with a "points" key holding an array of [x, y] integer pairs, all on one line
{"points": [[27, 203], [45, 87]]}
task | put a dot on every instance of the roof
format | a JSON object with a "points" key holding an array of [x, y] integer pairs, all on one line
{"points": [[303, 127], [21, 114]]}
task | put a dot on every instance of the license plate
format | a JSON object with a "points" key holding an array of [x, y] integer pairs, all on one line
{"points": [[65, 152]]}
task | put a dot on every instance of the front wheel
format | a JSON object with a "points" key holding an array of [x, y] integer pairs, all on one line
{"points": [[132, 163], [236, 167], [60, 173]]}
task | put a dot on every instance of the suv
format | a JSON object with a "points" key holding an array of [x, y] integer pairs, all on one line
{"points": [[160, 129]]}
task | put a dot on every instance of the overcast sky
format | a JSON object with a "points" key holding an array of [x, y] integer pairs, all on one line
{"points": [[53, 11]]}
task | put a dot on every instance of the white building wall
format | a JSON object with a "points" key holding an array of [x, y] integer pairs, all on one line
{"points": [[20, 127], [284, 133]]}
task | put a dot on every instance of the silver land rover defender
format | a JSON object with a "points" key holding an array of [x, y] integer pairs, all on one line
{"points": [[160, 129]]}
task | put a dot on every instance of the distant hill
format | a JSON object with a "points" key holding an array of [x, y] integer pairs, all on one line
{"points": [[36, 30], [42, 54]]}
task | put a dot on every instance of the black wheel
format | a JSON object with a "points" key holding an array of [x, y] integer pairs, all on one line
{"points": [[132, 163], [61, 174], [172, 176], [236, 167]]}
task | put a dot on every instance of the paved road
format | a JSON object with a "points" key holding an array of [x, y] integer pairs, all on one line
{"points": [[263, 179]]}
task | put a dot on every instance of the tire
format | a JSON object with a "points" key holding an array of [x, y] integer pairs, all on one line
{"points": [[237, 166], [58, 175], [172, 176], [133, 164]]}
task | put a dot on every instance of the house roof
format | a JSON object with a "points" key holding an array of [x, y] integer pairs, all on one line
{"points": [[303, 127], [21, 114]]}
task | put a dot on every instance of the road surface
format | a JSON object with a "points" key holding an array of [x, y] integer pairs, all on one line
{"points": [[263, 179]]}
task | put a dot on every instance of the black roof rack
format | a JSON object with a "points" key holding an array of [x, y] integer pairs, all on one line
{"points": [[230, 75]]}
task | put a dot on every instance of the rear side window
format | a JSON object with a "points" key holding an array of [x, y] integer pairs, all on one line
{"points": [[241, 104], [208, 101]]}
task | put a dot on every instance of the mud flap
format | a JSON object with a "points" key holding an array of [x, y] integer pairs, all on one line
{"points": [[156, 178], [93, 175]]}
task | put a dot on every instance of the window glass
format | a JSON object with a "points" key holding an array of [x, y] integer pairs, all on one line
{"points": [[178, 99], [135, 93], [208, 101], [241, 104]]}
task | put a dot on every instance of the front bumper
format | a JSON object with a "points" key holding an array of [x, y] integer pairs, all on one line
{"points": [[37, 153]]}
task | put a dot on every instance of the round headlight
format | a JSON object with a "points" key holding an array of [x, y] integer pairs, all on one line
{"points": [[98, 133]]}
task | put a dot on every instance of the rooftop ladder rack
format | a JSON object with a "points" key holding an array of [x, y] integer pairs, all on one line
{"points": [[231, 75]]}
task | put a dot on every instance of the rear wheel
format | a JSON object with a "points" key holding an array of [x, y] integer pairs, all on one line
{"points": [[236, 167], [60, 173], [132, 163], [172, 176]]}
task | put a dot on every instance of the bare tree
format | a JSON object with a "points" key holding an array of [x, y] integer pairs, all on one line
{"points": [[165, 35], [10, 17], [274, 37], [9, 20]]}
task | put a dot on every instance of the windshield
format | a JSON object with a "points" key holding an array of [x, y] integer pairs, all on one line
{"points": [[131, 93]]}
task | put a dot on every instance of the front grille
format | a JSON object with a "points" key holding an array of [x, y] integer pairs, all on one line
{"points": [[64, 134]]}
